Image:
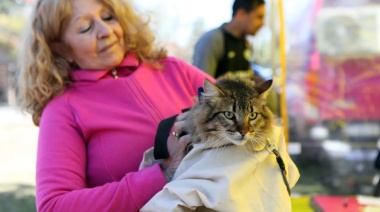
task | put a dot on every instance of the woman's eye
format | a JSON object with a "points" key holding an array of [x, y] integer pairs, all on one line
{"points": [[85, 29], [229, 115], [252, 116], [108, 18]]}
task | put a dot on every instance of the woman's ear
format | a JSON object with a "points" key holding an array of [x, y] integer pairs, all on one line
{"points": [[62, 50]]}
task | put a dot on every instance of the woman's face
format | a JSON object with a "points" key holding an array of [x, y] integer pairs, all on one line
{"points": [[94, 38]]}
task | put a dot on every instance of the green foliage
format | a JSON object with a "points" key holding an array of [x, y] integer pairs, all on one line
{"points": [[7, 5], [301, 204], [11, 28], [15, 198], [12, 25]]}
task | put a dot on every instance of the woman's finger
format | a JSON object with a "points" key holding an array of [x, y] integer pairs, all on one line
{"points": [[179, 127], [185, 140], [182, 116]]}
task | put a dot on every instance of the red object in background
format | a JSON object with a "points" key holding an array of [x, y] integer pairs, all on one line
{"points": [[335, 204], [347, 89]]}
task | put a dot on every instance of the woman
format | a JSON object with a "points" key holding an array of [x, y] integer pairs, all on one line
{"points": [[97, 88]]}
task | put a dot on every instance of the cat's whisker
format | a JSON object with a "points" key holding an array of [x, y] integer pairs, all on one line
{"points": [[217, 141], [223, 144], [245, 149]]}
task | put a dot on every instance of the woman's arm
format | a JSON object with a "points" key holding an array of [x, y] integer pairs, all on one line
{"points": [[61, 171]]}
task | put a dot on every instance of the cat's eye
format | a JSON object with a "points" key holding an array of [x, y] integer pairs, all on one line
{"points": [[252, 116], [229, 115]]}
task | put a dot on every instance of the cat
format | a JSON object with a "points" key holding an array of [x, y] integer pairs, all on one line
{"points": [[232, 111]]}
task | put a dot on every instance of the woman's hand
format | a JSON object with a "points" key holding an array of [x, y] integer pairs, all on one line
{"points": [[176, 147]]}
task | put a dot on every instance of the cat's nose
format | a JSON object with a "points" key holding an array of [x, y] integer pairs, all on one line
{"points": [[243, 132]]}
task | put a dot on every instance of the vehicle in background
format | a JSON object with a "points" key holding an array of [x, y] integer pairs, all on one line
{"points": [[337, 120]]}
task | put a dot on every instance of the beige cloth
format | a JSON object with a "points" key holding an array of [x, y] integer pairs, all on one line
{"points": [[228, 179]]}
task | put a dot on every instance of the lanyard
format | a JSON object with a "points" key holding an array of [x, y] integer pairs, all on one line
{"points": [[272, 149]]}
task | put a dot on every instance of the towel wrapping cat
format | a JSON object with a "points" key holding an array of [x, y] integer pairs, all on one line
{"points": [[230, 167]]}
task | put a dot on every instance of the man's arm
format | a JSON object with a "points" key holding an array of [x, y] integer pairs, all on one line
{"points": [[208, 50]]}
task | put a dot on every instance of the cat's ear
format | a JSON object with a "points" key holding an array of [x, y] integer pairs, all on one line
{"points": [[210, 89], [264, 89]]}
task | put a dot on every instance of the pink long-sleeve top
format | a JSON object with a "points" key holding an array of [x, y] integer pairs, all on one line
{"points": [[92, 137]]}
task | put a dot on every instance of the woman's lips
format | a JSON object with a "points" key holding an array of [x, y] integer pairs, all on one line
{"points": [[107, 47]]}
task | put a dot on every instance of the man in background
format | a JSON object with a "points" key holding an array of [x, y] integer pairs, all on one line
{"points": [[226, 49]]}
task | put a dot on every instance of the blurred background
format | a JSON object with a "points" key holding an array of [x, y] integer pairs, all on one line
{"points": [[327, 87]]}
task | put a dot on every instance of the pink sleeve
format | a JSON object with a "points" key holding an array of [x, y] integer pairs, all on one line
{"points": [[61, 171]]}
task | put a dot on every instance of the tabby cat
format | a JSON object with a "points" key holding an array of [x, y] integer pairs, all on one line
{"points": [[231, 111]]}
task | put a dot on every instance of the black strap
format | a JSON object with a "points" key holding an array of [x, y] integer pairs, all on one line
{"points": [[377, 161], [160, 142], [283, 170]]}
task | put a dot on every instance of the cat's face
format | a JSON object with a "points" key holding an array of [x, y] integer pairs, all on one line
{"points": [[232, 112]]}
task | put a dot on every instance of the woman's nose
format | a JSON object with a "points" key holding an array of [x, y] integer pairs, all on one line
{"points": [[104, 30]]}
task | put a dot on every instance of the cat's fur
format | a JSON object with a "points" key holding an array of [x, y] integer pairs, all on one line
{"points": [[231, 111]]}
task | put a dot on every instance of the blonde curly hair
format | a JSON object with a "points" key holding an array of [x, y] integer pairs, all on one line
{"points": [[44, 74]]}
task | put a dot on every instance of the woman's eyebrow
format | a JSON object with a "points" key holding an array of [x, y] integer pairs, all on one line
{"points": [[78, 18]]}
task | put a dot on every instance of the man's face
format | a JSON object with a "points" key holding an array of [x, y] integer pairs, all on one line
{"points": [[254, 20]]}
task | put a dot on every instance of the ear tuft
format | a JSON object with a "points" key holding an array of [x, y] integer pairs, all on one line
{"points": [[210, 89], [264, 88]]}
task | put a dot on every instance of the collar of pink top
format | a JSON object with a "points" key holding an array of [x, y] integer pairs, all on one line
{"points": [[125, 68]]}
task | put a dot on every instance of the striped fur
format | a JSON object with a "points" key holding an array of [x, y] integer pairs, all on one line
{"points": [[231, 111]]}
